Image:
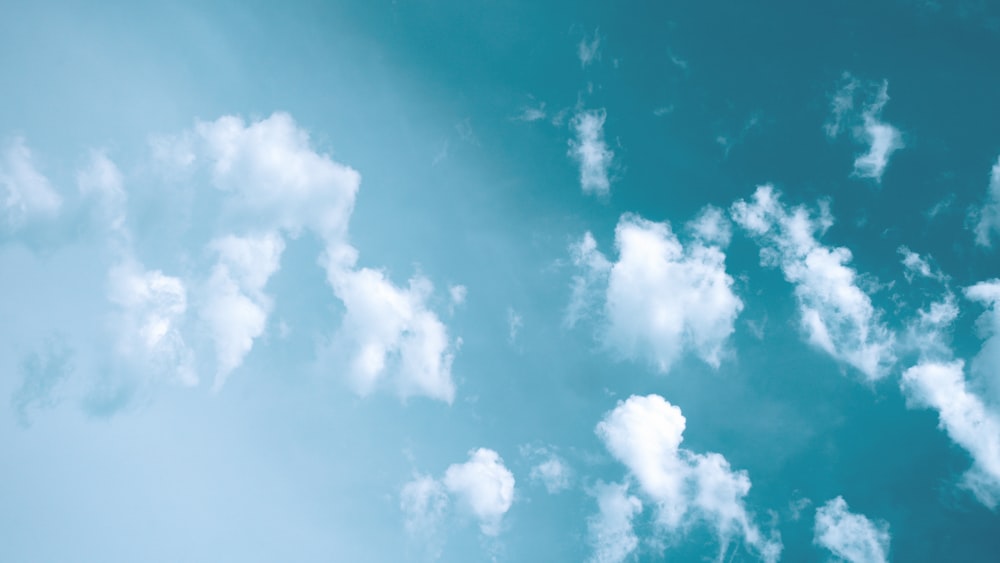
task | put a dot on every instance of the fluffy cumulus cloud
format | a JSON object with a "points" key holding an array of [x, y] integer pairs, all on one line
{"points": [[482, 487], [276, 185], [660, 298], [836, 314], [645, 435], [987, 218], [610, 531], [865, 124], [276, 178], [389, 335], [236, 308], [25, 194], [849, 536], [591, 152]]}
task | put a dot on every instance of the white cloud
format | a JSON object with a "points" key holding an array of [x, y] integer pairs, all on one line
{"points": [[661, 298], [917, 265], [102, 181], [849, 536], [276, 183], [457, 294], [988, 216], [591, 152], [610, 531], [837, 315], [530, 114], [151, 310], [484, 486], [424, 503], [25, 194], [964, 417], [645, 434], [867, 127], [553, 473], [235, 307], [588, 51], [514, 324], [481, 487], [388, 333], [986, 364], [841, 106], [277, 180]]}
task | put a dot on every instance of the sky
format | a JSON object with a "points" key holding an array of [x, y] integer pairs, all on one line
{"points": [[499, 281]]}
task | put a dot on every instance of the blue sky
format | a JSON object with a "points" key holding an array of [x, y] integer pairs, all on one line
{"points": [[514, 281]]}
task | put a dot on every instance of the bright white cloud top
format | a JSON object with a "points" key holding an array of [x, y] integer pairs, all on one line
{"points": [[645, 435], [482, 487], [836, 314]]}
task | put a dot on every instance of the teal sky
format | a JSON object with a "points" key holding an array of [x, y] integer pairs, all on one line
{"points": [[517, 281]]}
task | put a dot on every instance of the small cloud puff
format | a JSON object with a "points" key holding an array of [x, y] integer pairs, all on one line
{"points": [[591, 152], [589, 50], [25, 194], [849, 536]]}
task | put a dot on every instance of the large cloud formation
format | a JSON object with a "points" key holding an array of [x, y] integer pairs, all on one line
{"points": [[275, 185]]}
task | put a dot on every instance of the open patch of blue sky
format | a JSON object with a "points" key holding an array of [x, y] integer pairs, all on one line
{"points": [[517, 281]]}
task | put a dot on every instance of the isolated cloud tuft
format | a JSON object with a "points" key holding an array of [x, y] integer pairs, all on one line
{"points": [[591, 152], [660, 298], [25, 194], [866, 125], [849, 536]]}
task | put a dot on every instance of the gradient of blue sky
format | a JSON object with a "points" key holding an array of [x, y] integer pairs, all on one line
{"points": [[649, 281]]}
